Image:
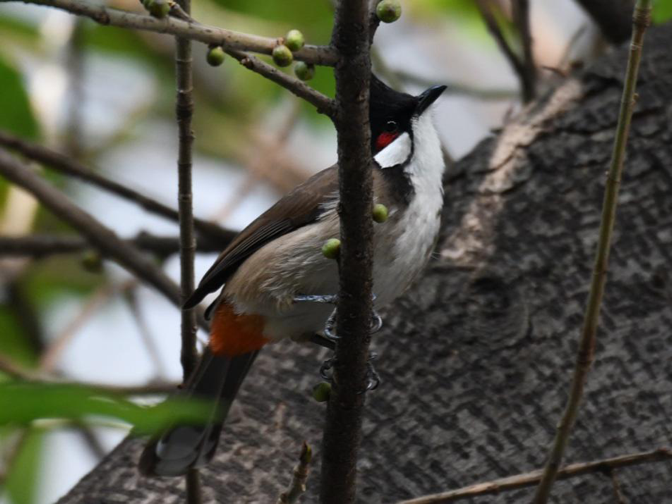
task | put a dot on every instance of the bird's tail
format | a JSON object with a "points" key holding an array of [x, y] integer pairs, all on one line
{"points": [[182, 447]]}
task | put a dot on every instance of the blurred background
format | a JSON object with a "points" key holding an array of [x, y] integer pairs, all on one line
{"points": [[105, 96]]}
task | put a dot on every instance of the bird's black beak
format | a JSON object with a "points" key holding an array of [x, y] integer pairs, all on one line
{"points": [[427, 98]]}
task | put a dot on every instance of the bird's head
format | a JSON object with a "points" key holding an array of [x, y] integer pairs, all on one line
{"points": [[397, 120]]}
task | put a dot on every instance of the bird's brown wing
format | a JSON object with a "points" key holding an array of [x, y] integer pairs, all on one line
{"points": [[302, 206]]}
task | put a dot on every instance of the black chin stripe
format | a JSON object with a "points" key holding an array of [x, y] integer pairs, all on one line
{"points": [[399, 184]]}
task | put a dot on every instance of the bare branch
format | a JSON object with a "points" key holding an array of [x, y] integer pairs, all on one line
{"points": [[528, 77], [15, 371], [318, 55], [38, 246], [533, 478], [73, 168], [485, 8], [100, 236], [342, 432], [586, 351], [324, 104]]}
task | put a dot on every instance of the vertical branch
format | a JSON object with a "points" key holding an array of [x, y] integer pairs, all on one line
{"points": [[528, 76], [184, 110], [342, 434], [586, 352]]}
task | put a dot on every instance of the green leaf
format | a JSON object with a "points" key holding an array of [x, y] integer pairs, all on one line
{"points": [[13, 342], [17, 115], [24, 476], [23, 402]]}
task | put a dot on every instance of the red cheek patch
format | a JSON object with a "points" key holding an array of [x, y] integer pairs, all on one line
{"points": [[385, 139]]}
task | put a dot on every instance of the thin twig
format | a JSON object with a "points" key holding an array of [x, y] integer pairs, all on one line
{"points": [[184, 111], [485, 7], [38, 246], [528, 77], [10, 368], [73, 168], [131, 298], [318, 55], [51, 355], [586, 352], [342, 432], [618, 494], [322, 103], [299, 477], [532, 478]]}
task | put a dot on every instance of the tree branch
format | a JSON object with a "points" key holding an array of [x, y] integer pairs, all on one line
{"points": [[485, 8], [586, 352], [342, 432], [184, 111], [73, 168], [318, 55], [528, 77], [38, 246], [532, 478], [324, 104], [100, 236]]}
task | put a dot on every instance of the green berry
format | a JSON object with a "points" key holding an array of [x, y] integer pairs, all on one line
{"points": [[380, 213], [158, 8], [92, 261], [215, 56], [294, 40], [282, 56], [304, 71], [321, 392], [331, 248], [388, 11]]}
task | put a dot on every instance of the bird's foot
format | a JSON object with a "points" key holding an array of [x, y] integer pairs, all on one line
{"points": [[326, 369], [372, 376]]}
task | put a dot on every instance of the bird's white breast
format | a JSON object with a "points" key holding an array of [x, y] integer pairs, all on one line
{"points": [[398, 262]]}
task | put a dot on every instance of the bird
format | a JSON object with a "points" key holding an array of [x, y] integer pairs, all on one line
{"points": [[268, 271]]}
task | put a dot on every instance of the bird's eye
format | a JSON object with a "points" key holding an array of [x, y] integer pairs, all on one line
{"points": [[391, 126]]}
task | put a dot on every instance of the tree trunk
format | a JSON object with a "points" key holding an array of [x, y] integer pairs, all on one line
{"points": [[476, 359]]}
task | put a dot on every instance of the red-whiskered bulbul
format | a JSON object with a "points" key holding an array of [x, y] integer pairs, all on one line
{"points": [[277, 259]]}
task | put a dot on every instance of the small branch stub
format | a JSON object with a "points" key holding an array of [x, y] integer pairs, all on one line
{"points": [[388, 11], [282, 56], [299, 478]]}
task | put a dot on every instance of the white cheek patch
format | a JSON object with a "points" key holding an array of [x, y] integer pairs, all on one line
{"points": [[396, 153]]}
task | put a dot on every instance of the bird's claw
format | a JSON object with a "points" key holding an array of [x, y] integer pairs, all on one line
{"points": [[372, 376], [325, 369]]}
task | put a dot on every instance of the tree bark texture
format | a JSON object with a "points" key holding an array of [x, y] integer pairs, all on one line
{"points": [[476, 358]]}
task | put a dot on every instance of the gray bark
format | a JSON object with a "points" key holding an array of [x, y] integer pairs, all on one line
{"points": [[476, 359]]}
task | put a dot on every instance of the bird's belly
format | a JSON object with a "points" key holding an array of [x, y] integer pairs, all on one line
{"points": [[399, 262], [268, 285]]}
